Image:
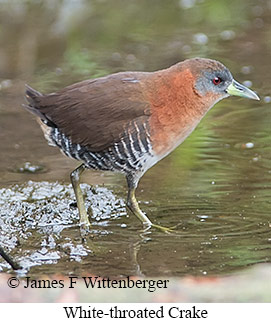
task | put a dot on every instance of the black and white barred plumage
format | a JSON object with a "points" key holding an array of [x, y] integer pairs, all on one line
{"points": [[130, 154]]}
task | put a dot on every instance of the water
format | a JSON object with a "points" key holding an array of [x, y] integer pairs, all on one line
{"points": [[215, 188]]}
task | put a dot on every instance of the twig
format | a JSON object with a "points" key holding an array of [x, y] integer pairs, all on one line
{"points": [[12, 263]]}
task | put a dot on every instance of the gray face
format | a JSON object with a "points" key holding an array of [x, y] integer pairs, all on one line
{"points": [[216, 81]]}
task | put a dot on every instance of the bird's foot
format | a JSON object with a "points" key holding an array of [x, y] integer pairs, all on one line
{"points": [[159, 227], [84, 229], [85, 225]]}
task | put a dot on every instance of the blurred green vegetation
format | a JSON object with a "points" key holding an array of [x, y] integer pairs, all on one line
{"points": [[118, 35]]}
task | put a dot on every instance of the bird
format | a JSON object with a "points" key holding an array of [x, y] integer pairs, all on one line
{"points": [[126, 122]]}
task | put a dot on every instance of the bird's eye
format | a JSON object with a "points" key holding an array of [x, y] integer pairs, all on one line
{"points": [[217, 80]]}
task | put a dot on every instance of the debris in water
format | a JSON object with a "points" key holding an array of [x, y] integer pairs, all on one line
{"points": [[27, 167], [35, 215]]}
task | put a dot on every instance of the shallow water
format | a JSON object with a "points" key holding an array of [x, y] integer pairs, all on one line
{"points": [[215, 188]]}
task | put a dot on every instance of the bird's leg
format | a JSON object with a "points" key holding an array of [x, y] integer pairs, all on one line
{"points": [[133, 206], [75, 178], [132, 182]]}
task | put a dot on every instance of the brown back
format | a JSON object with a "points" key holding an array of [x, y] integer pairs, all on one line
{"points": [[95, 113]]}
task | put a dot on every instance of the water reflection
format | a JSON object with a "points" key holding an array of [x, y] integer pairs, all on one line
{"points": [[215, 187]]}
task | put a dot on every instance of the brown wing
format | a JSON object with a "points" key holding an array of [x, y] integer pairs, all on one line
{"points": [[94, 113]]}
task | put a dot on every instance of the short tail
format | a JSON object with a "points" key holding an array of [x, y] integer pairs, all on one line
{"points": [[33, 98], [31, 95]]}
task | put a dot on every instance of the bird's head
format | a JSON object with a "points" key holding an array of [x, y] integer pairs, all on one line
{"points": [[213, 79]]}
